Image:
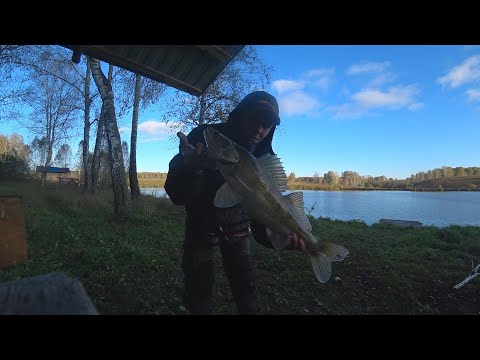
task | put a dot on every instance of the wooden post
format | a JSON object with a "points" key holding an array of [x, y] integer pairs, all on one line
{"points": [[13, 246]]}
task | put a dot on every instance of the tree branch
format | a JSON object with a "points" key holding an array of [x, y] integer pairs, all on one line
{"points": [[472, 276]]}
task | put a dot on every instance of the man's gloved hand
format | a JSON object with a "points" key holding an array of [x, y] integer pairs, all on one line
{"points": [[195, 158]]}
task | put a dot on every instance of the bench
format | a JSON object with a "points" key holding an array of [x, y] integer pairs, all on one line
{"points": [[67, 180], [58, 170]]}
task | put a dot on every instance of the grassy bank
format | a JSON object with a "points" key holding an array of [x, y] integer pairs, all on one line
{"points": [[151, 183], [133, 267]]}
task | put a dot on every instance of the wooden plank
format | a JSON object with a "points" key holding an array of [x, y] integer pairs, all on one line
{"points": [[401, 223]]}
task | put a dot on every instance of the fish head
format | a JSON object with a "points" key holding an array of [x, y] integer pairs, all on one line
{"points": [[219, 147]]}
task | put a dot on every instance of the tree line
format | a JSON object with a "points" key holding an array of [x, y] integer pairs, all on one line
{"points": [[353, 179]]}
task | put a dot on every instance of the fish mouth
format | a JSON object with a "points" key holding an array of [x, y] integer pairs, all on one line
{"points": [[219, 147]]}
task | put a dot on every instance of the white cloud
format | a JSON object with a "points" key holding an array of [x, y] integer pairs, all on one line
{"points": [[295, 96], [154, 127], [394, 97], [320, 78], [363, 101], [298, 103], [473, 94], [466, 72], [381, 79], [124, 129], [282, 86], [368, 68], [416, 106], [320, 72], [153, 130], [379, 71], [347, 110]]}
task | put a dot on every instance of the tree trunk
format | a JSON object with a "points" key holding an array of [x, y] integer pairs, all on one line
{"points": [[87, 185], [43, 179], [95, 173], [119, 181], [201, 118], [96, 153], [132, 171], [48, 160]]}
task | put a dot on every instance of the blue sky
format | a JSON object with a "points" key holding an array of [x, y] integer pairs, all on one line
{"points": [[389, 110]]}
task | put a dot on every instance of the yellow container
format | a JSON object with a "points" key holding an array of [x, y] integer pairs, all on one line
{"points": [[13, 245]]}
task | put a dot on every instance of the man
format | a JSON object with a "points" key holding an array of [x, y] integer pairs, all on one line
{"points": [[192, 181]]}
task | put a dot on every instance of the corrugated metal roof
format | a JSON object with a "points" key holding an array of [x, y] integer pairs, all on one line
{"points": [[190, 68]]}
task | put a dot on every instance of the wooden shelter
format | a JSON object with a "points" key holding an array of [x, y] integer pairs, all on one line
{"points": [[190, 68]]}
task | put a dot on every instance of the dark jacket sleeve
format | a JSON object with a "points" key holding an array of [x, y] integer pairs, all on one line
{"points": [[259, 232], [179, 179]]}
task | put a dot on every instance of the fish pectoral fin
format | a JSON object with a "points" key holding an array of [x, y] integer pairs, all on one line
{"points": [[278, 240], [226, 197], [322, 261]]}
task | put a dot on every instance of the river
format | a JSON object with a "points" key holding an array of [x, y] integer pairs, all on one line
{"points": [[430, 208]]}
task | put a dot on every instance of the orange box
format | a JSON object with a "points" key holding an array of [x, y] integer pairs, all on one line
{"points": [[13, 245]]}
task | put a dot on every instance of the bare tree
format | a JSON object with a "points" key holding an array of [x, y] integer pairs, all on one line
{"points": [[39, 150], [53, 101], [6, 53], [11, 89], [117, 168], [245, 73], [87, 184], [79, 81], [31, 58], [64, 155]]}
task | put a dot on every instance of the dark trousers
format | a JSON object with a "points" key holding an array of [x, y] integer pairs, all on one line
{"points": [[198, 268]]}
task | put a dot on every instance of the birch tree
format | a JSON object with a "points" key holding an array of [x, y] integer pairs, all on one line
{"points": [[64, 155], [117, 168], [136, 93], [100, 136], [87, 178], [32, 59], [53, 102], [244, 74]]}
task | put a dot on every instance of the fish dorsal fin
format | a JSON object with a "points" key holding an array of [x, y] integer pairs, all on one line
{"points": [[226, 197], [273, 166], [296, 199]]}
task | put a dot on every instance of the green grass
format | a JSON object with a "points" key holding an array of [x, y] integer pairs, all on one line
{"points": [[133, 267]]}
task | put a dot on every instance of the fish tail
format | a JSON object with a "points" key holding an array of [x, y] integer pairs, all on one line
{"points": [[322, 260]]}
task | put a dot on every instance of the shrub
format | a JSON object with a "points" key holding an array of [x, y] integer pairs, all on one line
{"points": [[13, 167]]}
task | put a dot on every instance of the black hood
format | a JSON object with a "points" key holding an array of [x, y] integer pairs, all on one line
{"points": [[263, 147]]}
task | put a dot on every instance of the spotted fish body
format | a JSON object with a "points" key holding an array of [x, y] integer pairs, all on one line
{"points": [[257, 185]]}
